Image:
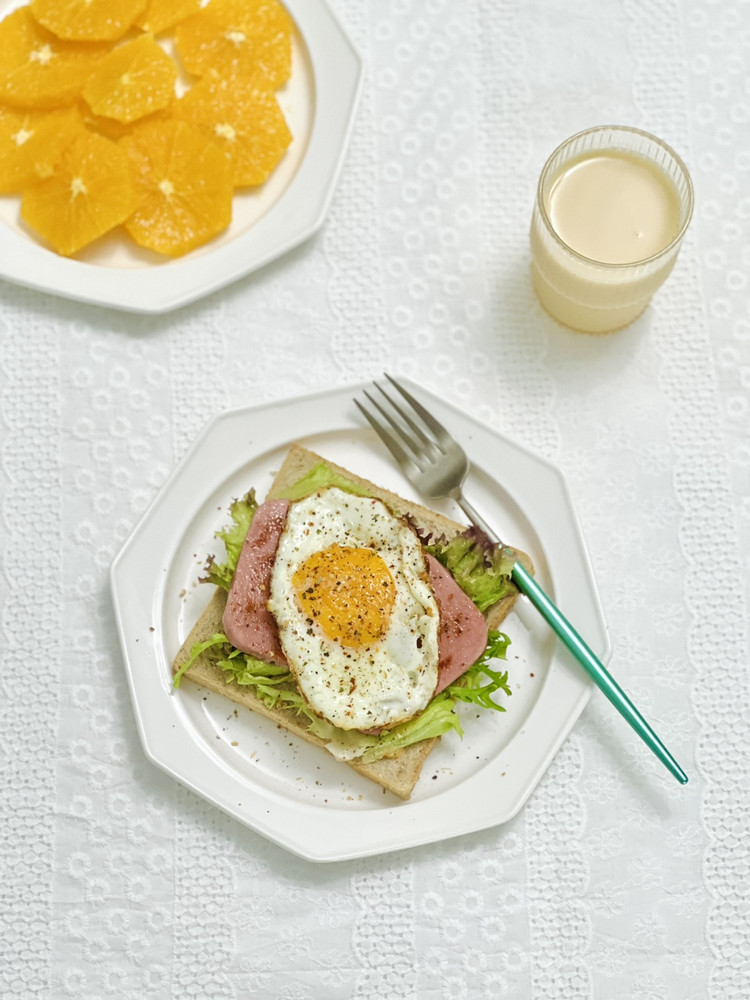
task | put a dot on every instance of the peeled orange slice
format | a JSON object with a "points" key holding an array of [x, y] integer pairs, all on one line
{"points": [[252, 37], [37, 70], [31, 144], [87, 20], [135, 79], [184, 184], [246, 121], [161, 15], [111, 128], [90, 192]]}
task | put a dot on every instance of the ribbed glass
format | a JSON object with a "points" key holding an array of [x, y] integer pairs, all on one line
{"points": [[589, 295]]}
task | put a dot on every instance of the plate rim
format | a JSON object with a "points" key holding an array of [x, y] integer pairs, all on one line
{"points": [[403, 825], [296, 215]]}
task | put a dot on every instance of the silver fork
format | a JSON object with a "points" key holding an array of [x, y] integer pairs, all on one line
{"points": [[437, 466]]}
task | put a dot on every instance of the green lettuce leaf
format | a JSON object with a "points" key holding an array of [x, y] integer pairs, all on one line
{"points": [[481, 569], [318, 478], [481, 681], [266, 679], [437, 719], [217, 639], [241, 514]]}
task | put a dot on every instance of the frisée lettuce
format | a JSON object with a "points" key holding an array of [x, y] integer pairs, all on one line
{"points": [[480, 568], [274, 685], [241, 514]]}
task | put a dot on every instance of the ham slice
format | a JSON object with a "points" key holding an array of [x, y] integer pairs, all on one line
{"points": [[248, 624], [463, 631], [250, 627]]}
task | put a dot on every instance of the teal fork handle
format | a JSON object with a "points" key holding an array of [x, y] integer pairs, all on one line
{"points": [[594, 668]]}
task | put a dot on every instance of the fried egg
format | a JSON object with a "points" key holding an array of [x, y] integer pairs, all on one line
{"points": [[356, 614]]}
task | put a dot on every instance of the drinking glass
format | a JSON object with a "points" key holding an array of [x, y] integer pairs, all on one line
{"points": [[592, 295]]}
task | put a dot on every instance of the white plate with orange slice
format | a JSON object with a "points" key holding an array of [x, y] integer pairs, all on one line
{"points": [[318, 101]]}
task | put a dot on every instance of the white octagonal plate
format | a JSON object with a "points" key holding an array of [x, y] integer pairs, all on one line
{"points": [[298, 795], [319, 102]]}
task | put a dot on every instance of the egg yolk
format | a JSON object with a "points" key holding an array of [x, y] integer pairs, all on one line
{"points": [[349, 592]]}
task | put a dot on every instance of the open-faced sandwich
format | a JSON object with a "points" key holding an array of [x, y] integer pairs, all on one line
{"points": [[353, 618]]}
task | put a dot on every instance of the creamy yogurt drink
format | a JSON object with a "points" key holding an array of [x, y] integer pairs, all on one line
{"points": [[613, 204]]}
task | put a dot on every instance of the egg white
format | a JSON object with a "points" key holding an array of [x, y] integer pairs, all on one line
{"points": [[389, 680]]}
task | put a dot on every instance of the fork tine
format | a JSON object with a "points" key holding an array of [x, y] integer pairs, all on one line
{"points": [[426, 440], [420, 448], [437, 428], [385, 435]]}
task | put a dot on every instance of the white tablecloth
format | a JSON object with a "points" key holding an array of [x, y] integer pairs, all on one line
{"points": [[613, 882]]}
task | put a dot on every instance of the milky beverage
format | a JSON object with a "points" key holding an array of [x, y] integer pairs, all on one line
{"points": [[605, 235]]}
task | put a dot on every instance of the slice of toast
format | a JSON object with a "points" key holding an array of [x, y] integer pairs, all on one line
{"points": [[399, 773]]}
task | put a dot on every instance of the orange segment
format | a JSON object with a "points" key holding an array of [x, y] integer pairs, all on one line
{"points": [[87, 20], [184, 182], [31, 144], [246, 121], [37, 70], [251, 37], [135, 79], [161, 15], [110, 128], [90, 192]]}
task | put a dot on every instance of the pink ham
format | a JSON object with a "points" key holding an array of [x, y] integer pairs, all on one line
{"points": [[250, 627], [463, 631], [248, 624]]}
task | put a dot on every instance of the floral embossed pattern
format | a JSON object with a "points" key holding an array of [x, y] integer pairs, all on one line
{"points": [[613, 882]]}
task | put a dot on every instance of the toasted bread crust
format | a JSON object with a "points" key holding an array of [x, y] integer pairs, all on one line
{"points": [[397, 774]]}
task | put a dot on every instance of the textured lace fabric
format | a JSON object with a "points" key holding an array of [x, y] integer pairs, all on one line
{"points": [[613, 882]]}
